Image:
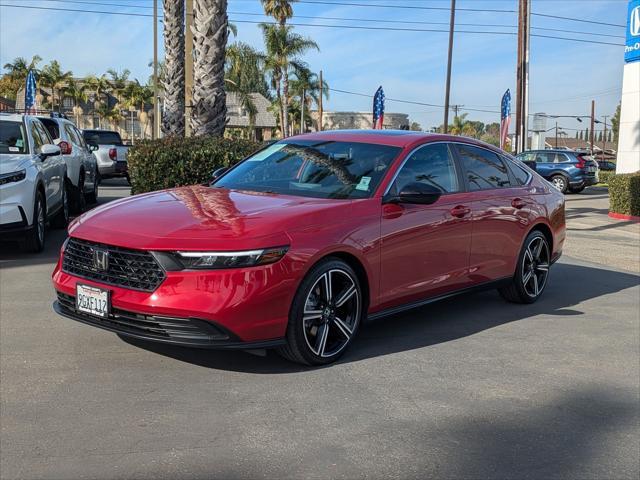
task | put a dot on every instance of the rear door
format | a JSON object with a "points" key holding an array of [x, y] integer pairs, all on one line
{"points": [[499, 213], [425, 248], [546, 163], [52, 167]]}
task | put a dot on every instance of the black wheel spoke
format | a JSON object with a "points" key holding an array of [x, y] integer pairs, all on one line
{"points": [[535, 266]]}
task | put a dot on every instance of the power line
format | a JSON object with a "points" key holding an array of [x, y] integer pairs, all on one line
{"points": [[314, 25], [578, 20]]}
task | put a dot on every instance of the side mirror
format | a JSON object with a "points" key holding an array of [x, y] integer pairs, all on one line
{"points": [[49, 150], [92, 146], [217, 174], [418, 193]]}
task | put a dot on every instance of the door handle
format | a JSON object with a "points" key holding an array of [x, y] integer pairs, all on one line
{"points": [[460, 211], [518, 203]]}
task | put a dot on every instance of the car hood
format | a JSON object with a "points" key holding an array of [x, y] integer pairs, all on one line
{"points": [[200, 217], [12, 163]]}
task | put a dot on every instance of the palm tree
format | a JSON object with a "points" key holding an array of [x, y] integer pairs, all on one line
{"points": [[77, 91], [173, 84], [306, 86], [111, 114], [458, 124], [118, 81], [210, 34], [281, 10], [55, 78], [100, 87], [284, 49], [19, 68]]}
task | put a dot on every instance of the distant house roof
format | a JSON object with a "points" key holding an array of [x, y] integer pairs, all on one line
{"points": [[239, 118], [7, 104]]}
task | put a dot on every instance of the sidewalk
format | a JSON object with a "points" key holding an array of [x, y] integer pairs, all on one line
{"points": [[593, 236]]}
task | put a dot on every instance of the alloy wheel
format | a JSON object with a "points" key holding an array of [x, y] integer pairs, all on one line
{"points": [[40, 222], [559, 183], [535, 266], [331, 313]]}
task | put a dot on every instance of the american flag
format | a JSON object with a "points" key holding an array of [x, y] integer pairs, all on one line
{"points": [[378, 109], [505, 118], [30, 94]]}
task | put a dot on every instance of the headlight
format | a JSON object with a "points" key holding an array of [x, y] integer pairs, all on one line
{"points": [[13, 177], [219, 260]]}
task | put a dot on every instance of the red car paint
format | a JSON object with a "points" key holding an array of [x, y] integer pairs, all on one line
{"points": [[406, 252]]}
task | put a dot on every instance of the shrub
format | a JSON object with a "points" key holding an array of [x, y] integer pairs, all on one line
{"points": [[173, 162], [604, 177], [624, 194]]}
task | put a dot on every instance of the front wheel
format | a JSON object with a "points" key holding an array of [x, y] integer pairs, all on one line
{"points": [[34, 241], [532, 271], [61, 220], [325, 315]]}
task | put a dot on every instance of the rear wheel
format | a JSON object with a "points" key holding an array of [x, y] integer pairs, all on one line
{"points": [[532, 272], [61, 219], [560, 182], [34, 241], [325, 314], [93, 196]]}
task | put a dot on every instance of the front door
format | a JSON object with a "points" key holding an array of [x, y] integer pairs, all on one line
{"points": [[425, 248]]}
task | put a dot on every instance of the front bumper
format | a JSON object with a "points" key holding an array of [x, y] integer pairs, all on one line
{"points": [[187, 332]]}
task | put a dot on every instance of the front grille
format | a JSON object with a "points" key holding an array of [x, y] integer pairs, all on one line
{"points": [[184, 330], [132, 269]]}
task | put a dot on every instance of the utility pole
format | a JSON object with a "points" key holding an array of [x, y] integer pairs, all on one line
{"points": [[156, 109], [522, 75], [188, 67], [593, 121], [320, 110], [302, 112], [604, 136], [556, 134], [452, 22]]}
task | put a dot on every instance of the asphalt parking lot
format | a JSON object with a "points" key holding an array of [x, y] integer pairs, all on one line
{"points": [[471, 387]]}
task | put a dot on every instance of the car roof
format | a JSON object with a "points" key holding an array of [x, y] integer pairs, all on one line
{"points": [[15, 117], [396, 138], [551, 150]]}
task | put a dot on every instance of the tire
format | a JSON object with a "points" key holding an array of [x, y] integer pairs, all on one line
{"points": [[35, 239], [560, 182], [79, 200], [92, 198], [576, 190], [61, 219], [532, 271], [331, 320], [128, 179]]}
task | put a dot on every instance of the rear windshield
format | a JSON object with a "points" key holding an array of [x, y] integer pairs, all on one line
{"points": [[327, 169], [13, 138], [51, 126], [102, 138]]}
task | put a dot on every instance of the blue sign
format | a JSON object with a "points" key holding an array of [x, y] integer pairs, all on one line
{"points": [[632, 47]]}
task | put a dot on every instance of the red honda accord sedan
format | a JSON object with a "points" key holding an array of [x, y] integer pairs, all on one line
{"points": [[298, 244]]}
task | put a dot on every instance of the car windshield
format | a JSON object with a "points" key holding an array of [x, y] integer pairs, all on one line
{"points": [[13, 138], [102, 138], [327, 169]]}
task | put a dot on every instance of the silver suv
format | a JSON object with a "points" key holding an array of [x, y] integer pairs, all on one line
{"points": [[33, 182]]}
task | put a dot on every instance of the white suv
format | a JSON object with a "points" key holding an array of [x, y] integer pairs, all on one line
{"points": [[33, 178], [82, 167]]}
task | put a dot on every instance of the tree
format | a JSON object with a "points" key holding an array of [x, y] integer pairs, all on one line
{"points": [[415, 126], [210, 34], [281, 10], [118, 81], [609, 135], [77, 91], [600, 136], [173, 115], [55, 78], [576, 135], [458, 124], [306, 86], [581, 135], [284, 49], [245, 69], [615, 124]]}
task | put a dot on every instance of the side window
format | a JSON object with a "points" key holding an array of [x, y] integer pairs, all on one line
{"points": [[484, 169], [44, 135], [520, 173], [38, 141], [72, 134], [562, 158], [431, 164], [81, 141]]}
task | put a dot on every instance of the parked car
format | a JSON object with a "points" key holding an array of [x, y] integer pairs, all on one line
{"points": [[567, 171], [33, 179], [298, 244], [82, 167], [110, 152], [606, 165]]}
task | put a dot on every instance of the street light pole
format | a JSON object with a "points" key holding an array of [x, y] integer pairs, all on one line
{"points": [[452, 22], [156, 119], [593, 120]]}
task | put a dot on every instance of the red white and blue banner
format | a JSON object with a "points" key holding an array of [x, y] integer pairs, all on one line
{"points": [[505, 118], [378, 109], [30, 94]]}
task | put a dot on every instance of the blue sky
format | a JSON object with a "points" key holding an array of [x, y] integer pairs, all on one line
{"points": [[565, 75]]}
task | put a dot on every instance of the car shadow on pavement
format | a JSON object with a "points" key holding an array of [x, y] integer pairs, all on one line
{"points": [[439, 322]]}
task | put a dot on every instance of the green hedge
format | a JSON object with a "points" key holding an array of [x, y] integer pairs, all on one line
{"points": [[173, 162], [604, 177], [624, 194]]}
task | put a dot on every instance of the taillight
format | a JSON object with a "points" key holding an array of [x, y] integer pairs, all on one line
{"points": [[65, 148], [581, 162], [113, 153]]}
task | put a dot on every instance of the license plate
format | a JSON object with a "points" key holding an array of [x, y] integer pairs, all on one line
{"points": [[92, 300]]}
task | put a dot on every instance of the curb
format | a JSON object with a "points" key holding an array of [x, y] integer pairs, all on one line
{"points": [[622, 216]]}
